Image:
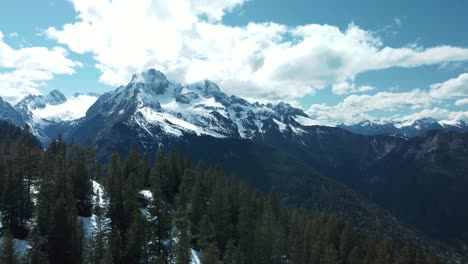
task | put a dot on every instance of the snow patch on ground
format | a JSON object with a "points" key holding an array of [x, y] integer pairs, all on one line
{"points": [[89, 224], [99, 194], [21, 246], [195, 256], [147, 194]]}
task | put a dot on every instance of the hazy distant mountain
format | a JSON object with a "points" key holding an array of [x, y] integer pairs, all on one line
{"points": [[407, 129]]}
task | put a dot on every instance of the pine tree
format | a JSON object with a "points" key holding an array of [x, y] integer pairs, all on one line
{"points": [[245, 227], [330, 256], [210, 255], [347, 241], [35, 255], [45, 195], [206, 232], [219, 213], [407, 255], [198, 205], [116, 246], [264, 238], [183, 246], [384, 252], [136, 240], [97, 242], [106, 258], [159, 208], [146, 171], [60, 239], [356, 255], [8, 253], [232, 254], [116, 199]]}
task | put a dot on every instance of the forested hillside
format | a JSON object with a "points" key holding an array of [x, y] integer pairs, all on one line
{"points": [[63, 206]]}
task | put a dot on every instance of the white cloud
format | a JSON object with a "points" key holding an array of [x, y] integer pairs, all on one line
{"points": [[258, 60], [461, 102], [346, 88], [356, 108], [17, 84], [456, 87], [24, 70], [436, 113]]}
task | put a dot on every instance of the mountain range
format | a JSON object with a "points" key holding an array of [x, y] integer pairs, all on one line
{"points": [[200, 108], [407, 128], [407, 180]]}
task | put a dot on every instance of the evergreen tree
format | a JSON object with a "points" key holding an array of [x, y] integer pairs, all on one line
{"points": [[159, 208], [136, 239], [106, 258], [8, 253], [232, 254], [60, 238], [183, 246], [35, 254], [407, 255], [245, 227], [356, 255], [330, 256], [347, 241], [116, 199], [206, 232], [116, 246], [219, 213], [210, 255]]}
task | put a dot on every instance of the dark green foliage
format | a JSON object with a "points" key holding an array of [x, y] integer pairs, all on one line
{"points": [[8, 253], [210, 256], [198, 209], [137, 240], [36, 255]]}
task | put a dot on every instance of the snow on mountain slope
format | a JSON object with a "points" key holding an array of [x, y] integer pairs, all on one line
{"points": [[55, 106], [72, 108], [53, 114], [157, 105]]}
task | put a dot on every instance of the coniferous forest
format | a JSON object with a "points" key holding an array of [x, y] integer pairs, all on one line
{"points": [[59, 205]]}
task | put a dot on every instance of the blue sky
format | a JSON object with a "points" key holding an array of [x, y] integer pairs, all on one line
{"points": [[341, 61]]}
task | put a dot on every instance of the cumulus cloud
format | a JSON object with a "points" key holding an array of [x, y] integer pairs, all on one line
{"points": [[456, 87], [436, 113], [24, 70], [356, 108], [187, 40], [17, 84], [461, 102], [398, 106]]}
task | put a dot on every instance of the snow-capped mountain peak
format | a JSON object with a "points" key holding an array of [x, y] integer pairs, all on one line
{"points": [[54, 107], [157, 105], [151, 79]]}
